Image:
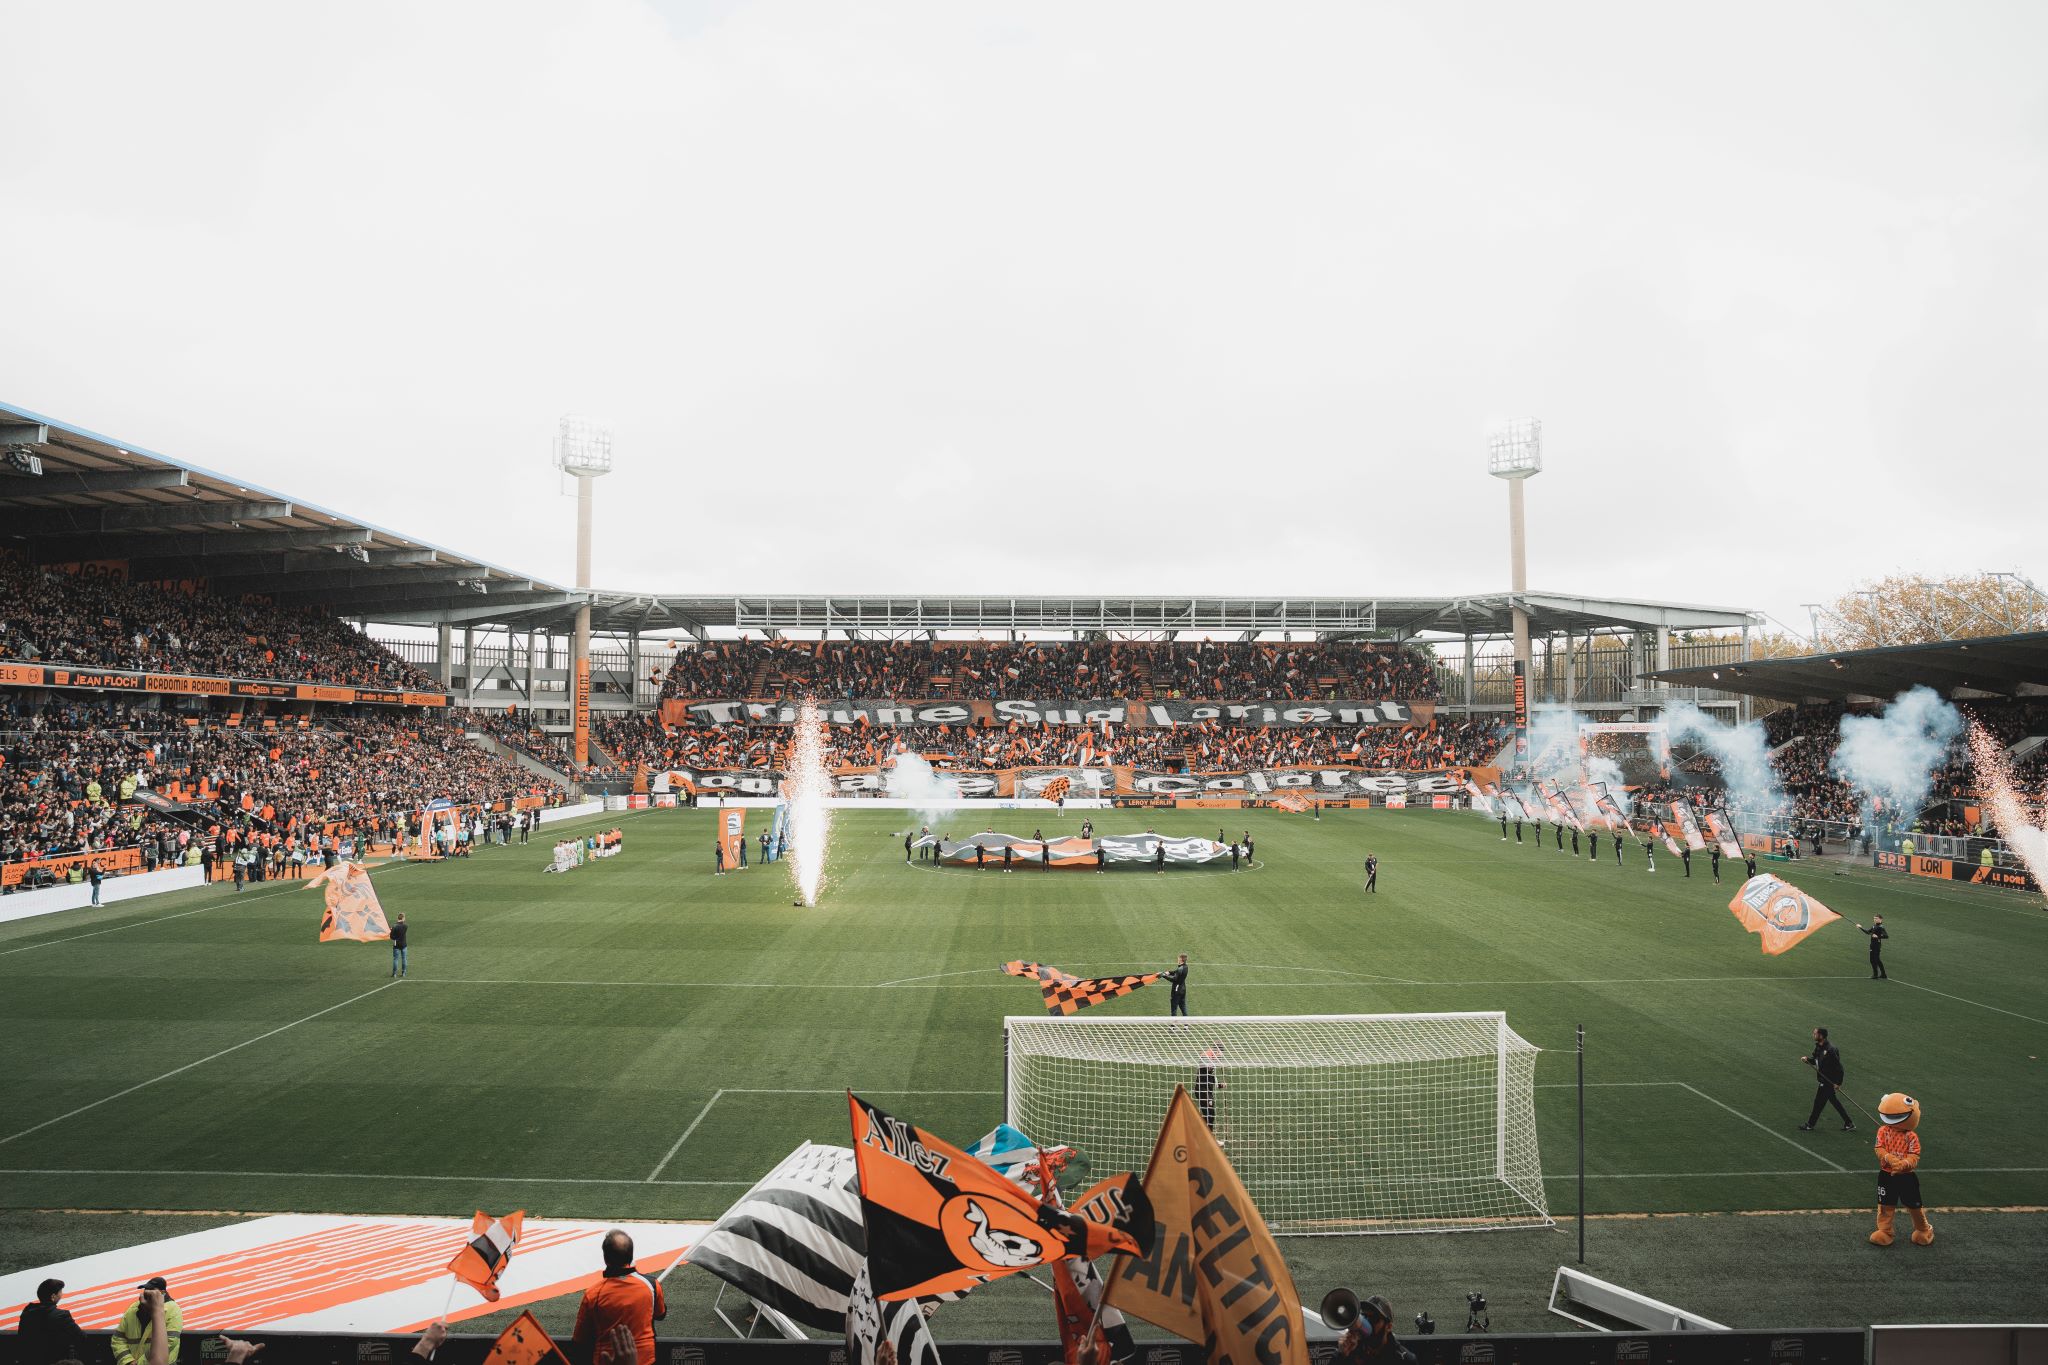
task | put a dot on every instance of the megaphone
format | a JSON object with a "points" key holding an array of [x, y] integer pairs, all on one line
{"points": [[1340, 1309]]}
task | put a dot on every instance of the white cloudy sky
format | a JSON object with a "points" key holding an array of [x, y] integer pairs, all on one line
{"points": [[1063, 297]]}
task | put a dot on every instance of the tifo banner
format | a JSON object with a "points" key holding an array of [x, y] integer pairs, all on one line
{"points": [[1333, 782], [1028, 711], [120, 680]]}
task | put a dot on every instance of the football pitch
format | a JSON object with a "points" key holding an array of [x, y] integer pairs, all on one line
{"points": [[638, 1039]]}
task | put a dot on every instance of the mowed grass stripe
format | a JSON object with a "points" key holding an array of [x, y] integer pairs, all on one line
{"points": [[571, 1027]]}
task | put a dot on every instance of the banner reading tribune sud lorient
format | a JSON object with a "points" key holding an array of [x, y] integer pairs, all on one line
{"points": [[1025, 711]]}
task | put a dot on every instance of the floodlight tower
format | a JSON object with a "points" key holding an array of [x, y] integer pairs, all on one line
{"points": [[583, 451], [1515, 452]]}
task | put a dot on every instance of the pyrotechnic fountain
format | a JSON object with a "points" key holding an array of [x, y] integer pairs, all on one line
{"points": [[1994, 773], [809, 817]]}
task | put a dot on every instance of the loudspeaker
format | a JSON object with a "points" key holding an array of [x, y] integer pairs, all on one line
{"points": [[1340, 1309]]}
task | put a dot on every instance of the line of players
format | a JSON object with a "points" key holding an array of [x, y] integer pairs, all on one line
{"points": [[1559, 830]]}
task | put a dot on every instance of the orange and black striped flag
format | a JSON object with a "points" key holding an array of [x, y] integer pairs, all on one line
{"points": [[941, 1222], [487, 1252], [1068, 994]]}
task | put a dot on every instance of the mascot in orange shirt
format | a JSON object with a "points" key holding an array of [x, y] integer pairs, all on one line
{"points": [[1898, 1177]]}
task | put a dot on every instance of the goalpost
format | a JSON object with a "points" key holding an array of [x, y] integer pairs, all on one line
{"points": [[1336, 1123]]}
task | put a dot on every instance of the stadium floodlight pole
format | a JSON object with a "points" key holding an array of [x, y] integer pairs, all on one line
{"points": [[583, 451], [1515, 452]]}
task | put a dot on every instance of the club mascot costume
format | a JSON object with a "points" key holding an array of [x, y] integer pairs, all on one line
{"points": [[1898, 1179]]}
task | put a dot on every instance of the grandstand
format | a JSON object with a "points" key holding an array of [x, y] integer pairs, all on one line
{"points": [[209, 682]]}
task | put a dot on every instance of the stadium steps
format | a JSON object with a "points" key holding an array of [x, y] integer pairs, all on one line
{"points": [[522, 758], [757, 682]]}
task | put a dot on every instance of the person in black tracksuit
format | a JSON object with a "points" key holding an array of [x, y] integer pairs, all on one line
{"points": [[1685, 856], [1206, 1085], [1575, 841], [1503, 825], [1877, 935], [1826, 1060], [1159, 857], [1008, 854], [1177, 978], [1714, 853], [1372, 873], [1592, 845]]}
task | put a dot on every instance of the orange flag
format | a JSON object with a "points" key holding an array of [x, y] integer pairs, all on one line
{"points": [[1778, 912], [1214, 1274], [525, 1342], [489, 1250]]}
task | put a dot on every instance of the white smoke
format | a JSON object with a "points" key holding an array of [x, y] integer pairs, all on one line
{"points": [[929, 791], [1893, 755], [1743, 752]]}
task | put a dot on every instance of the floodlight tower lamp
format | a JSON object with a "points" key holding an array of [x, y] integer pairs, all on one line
{"points": [[583, 450], [1514, 452]]}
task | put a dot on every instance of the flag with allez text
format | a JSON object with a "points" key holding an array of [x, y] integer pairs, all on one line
{"points": [[1778, 912], [1214, 1274]]}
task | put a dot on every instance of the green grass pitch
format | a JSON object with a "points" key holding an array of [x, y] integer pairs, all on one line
{"points": [[639, 1039]]}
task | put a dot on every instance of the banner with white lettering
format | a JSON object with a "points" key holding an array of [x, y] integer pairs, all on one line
{"points": [[1026, 711]]}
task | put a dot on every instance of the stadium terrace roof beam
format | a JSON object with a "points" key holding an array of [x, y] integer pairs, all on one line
{"points": [[538, 609], [70, 520], [70, 483], [144, 568], [1995, 665], [189, 545], [376, 596], [339, 579]]}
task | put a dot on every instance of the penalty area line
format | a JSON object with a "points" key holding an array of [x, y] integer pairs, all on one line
{"points": [[1965, 1000], [662, 1165], [1758, 1123], [179, 1071]]}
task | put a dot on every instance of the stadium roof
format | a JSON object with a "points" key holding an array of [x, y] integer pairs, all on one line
{"points": [[1993, 666], [1401, 617], [101, 499]]}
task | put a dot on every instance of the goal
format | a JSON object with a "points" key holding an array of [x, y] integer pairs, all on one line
{"points": [[1336, 1123]]}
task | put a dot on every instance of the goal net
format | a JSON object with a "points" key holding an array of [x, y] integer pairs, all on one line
{"points": [[1336, 1123]]}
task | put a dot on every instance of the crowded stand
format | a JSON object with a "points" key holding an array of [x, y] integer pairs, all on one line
{"points": [[1049, 670], [1207, 746], [92, 776], [100, 620]]}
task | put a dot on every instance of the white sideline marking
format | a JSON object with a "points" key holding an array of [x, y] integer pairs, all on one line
{"points": [[371, 1175], [663, 1163], [1755, 1123], [746, 1090], [238, 899], [179, 1071], [1009, 984], [1965, 1000]]}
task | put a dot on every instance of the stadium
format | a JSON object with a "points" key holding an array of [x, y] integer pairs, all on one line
{"points": [[640, 990], [748, 682]]}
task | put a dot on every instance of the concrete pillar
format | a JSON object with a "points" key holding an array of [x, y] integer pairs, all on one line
{"points": [[469, 662], [1468, 675], [445, 641]]}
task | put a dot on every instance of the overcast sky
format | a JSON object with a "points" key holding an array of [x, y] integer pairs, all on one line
{"points": [[1102, 297]]}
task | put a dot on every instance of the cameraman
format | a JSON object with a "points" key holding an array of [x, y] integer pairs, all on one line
{"points": [[1371, 1336]]}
